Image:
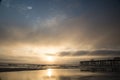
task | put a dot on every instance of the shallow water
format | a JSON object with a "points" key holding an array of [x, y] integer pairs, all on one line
{"points": [[58, 74]]}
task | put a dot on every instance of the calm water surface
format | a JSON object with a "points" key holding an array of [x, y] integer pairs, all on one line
{"points": [[58, 74]]}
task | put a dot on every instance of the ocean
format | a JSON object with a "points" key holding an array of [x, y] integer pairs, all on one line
{"points": [[58, 74]]}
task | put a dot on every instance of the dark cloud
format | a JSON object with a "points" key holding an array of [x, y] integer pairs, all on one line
{"points": [[64, 54], [100, 53]]}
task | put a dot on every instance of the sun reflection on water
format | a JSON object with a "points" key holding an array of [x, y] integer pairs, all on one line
{"points": [[49, 72]]}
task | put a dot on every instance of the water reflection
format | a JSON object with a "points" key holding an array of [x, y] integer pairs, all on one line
{"points": [[49, 72], [57, 74]]}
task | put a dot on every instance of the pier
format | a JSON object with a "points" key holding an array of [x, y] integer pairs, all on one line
{"points": [[101, 65]]}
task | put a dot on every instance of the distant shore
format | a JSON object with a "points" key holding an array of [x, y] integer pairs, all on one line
{"points": [[15, 69]]}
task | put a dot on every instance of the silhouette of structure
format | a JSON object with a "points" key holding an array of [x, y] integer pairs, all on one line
{"points": [[101, 65]]}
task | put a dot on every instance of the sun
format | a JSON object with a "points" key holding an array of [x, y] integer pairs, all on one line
{"points": [[50, 58]]}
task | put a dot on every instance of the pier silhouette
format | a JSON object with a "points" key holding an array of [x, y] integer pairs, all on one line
{"points": [[107, 65]]}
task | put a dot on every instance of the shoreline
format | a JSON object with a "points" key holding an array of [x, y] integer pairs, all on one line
{"points": [[16, 69]]}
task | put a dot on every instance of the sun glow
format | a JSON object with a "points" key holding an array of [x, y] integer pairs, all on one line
{"points": [[49, 72], [50, 58], [46, 50]]}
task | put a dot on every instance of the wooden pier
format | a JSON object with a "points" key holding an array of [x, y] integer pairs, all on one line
{"points": [[101, 65]]}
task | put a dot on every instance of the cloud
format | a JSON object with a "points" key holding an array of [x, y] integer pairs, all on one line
{"points": [[77, 32], [17, 55], [29, 7], [97, 53], [6, 3]]}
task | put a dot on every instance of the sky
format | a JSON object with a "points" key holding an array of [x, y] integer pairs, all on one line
{"points": [[58, 31]]}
